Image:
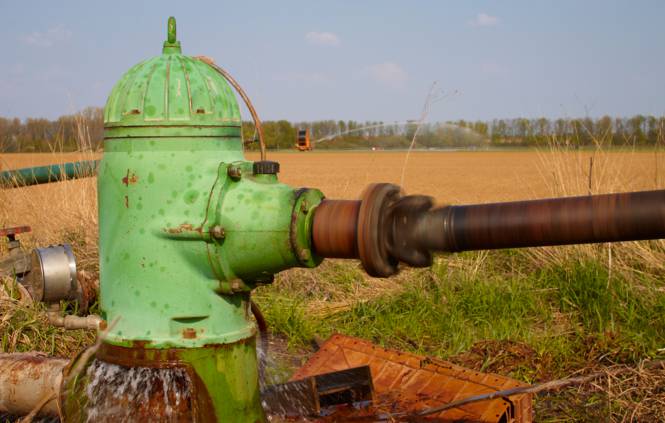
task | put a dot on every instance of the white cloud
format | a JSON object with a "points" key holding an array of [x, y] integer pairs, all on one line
{"points": [[483, 19], [322, 39], [47, 39], [388, 73]]}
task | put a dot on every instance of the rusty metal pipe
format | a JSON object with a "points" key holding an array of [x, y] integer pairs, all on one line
{"points": [[556, 221], [385, 228], [30, 381], [70, 322], [255, 116], [334, 228]]}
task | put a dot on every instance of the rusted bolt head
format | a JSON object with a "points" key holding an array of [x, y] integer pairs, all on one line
{"points": [[234, 172], [304, 254], [236, 285], [217, 232], [103, 325], [189, 333]]}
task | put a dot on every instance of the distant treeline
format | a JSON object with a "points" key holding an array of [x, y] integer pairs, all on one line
{"points": [[85, 130], [82, 131]]}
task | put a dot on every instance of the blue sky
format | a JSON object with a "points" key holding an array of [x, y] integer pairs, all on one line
{"points": [[362, 60]]}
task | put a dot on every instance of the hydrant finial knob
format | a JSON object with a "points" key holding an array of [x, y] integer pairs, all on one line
{"points": [[171, 30], [171, 45]]}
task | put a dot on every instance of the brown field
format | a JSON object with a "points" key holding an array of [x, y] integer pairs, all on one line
{"points": [[451, 177], [465, 177]]}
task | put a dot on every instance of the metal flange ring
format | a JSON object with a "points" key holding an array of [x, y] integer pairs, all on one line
{"points": [[372, 231]]}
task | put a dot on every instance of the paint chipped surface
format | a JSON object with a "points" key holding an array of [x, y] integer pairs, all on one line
{"points": [[130, 178]]}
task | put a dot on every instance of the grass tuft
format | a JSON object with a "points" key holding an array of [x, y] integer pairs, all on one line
{"points": [[24, 326]]}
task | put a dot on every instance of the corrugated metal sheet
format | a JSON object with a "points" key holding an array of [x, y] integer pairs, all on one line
{"points": [[405, 382]]}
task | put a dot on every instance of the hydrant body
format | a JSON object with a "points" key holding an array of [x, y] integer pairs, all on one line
{"points": [[187, 229]]}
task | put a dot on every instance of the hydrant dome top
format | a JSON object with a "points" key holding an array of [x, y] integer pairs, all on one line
{"points": [[172, 90]]}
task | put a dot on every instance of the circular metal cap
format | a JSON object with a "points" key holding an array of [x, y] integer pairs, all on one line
{"points": [[53, 274], [266, 167]]}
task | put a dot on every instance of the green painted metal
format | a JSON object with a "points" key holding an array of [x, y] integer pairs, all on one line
{"points": [[173, 92], [258, 216], [186, 228], [171, 45], [181, 232], [230, 375], [50, 173]]}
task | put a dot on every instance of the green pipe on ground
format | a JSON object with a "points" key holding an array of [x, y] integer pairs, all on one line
{"points": [[50, 173]]}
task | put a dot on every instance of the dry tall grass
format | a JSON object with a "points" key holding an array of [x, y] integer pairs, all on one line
{"points": [[597, 171], [60, 212], [67, 211]]}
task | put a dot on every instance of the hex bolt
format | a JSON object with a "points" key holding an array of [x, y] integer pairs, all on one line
{"points": [[217, 232], [234, 172]]}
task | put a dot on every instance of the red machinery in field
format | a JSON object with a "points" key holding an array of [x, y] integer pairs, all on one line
{"points": [[303, 142]]}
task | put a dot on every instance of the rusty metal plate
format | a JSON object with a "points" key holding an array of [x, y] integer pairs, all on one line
{"points": [[405, 382]]}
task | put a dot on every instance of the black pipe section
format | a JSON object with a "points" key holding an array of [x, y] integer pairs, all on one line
{"points": [[558, 221], [385, 228]]}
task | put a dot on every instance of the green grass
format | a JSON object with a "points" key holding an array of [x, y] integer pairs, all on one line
{"points": [[444, 311], [495, 312], [25, 327]]}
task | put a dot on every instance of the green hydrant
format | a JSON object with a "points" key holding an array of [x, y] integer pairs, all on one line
{"points": [[188, 228]]}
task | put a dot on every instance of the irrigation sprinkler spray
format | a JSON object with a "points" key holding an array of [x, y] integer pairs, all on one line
{"points": [[188, 228]]}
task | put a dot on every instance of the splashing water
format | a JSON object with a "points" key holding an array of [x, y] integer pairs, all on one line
{"points": [[128, 394], [279, 363], [277, 368]]}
